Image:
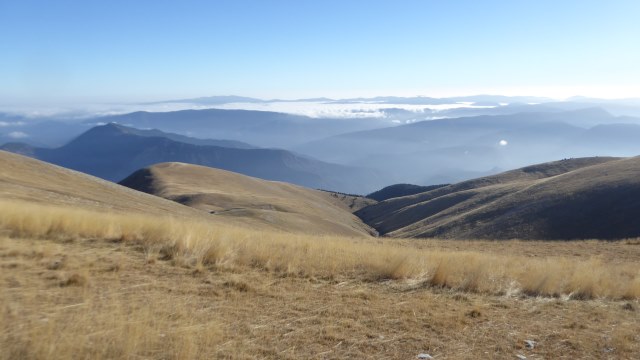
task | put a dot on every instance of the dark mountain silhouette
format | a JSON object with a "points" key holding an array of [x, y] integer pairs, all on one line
{"points": [[185, 139], [569, 199], [113, 152], [399, 190]]}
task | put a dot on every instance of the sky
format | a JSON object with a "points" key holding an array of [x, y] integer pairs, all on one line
{"points": [[83, 51]]}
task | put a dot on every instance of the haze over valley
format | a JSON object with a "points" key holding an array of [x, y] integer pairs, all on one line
{"points": [[409, 141]]}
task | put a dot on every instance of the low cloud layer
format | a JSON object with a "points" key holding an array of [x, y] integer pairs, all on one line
{"points": [[18, 135], [310, 109], [342, 110]]}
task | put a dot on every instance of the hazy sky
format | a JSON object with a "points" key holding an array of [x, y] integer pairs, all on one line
{"points": [[142, 50]]}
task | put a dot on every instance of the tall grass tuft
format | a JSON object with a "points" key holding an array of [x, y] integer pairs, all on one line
{"points": [[201, 244]]}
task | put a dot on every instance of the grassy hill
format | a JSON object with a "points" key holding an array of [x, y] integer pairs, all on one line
{"points": [[569, 199], [28, 180], [91, 269], [265, 204]]}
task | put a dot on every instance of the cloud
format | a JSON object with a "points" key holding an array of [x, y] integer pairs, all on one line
{"points": [[314, 109], [18, 135], [503, 142], [344, 110], [14, 123]]}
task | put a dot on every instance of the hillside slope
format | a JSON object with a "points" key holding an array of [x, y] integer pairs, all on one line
{"points": [[250, 203], [26, 179], [264, 204], [568, 199]]}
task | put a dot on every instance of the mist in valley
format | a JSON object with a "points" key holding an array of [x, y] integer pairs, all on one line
{"points": [[363, 144]]}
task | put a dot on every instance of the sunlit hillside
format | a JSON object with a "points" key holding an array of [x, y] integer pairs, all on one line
{"points": [[265, 205], [125, 284]]}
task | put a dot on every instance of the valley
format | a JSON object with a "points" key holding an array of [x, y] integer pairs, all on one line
{"points": [[126, 273]]}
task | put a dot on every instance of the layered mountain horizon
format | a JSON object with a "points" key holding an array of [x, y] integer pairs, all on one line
{"points": [[356, 155], [113, 152]]}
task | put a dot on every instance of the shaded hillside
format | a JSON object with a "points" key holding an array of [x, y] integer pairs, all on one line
{"points": [[568, 199], [353, 202], [113, 152], [185, 139], [399, 190], [260, 203]]}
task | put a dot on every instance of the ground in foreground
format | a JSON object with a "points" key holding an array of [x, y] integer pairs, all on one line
{"points": [[99, 299]]}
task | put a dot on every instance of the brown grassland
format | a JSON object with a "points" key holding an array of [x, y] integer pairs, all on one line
{"points": [[78, 283]]}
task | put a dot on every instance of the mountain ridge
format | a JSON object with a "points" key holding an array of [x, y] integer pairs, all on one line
{"points": [[567, 199], [113, 152]]}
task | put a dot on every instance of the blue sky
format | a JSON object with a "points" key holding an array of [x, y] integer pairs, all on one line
{"points": [[146, 50]]}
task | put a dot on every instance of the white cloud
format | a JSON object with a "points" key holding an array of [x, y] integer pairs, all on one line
{"points": [[310, 109], [18, 135], [14, 123], [503, 142], [342, 110]]}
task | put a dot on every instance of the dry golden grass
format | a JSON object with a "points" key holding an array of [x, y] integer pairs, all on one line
{"points": [[249, 201], [26, 179], [103, 272], [130, 307], [66, 312], [201, 245]]}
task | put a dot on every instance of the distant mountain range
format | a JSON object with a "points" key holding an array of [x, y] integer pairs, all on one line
{"points": [[451, 150], [113, 152], [261, 128], [587, 198], [492, 104], [282, 129]]}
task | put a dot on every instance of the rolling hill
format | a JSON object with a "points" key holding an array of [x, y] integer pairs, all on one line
{"points": [[30, 180], [113, 152], [263, 204], [569, 199], [226, 198]]}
